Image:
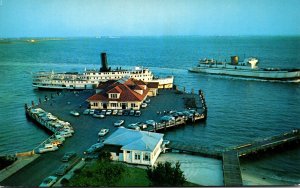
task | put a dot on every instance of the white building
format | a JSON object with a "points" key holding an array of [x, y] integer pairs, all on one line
{"points": [[136, 147]]}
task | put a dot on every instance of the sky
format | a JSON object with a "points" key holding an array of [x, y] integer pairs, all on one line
{"points": [[75, 18]]}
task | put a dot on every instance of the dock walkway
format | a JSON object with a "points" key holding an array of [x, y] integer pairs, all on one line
{"points": [[231, 169], [230, 157]]}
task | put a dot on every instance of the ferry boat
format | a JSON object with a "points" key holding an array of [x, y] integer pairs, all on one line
{"points": [[89, 79], [248, 68]]}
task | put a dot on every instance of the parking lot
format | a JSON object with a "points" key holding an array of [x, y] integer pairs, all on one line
{"points": [[87, 128]]}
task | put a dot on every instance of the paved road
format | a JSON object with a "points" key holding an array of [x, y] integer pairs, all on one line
{"points": [[86, 131]]}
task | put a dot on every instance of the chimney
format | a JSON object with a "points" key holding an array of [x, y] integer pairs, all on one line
{"points": [[104, 67]]}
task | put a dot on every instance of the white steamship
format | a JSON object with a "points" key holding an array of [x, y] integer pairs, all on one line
{"points": [[89, 79]]}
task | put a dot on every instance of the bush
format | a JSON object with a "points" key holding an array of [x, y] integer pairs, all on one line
{"points": [[64, 181], [77, 171], [166, 175], [104, 156]]}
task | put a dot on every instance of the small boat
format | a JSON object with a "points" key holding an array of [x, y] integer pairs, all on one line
{"points": [[248, 69]]}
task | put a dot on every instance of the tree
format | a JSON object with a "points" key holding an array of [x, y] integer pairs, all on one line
{"points": [[104, 156], [165, 175]]}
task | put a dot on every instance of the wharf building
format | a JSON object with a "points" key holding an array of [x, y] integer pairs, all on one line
{"points": [[126, 93], [135, 147]]}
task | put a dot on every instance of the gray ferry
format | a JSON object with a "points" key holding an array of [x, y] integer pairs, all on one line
{"points": [[247, 68]]}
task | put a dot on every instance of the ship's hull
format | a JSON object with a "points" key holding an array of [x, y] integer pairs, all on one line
{"points": [[162, 83], [62, 87], [283, 75]]}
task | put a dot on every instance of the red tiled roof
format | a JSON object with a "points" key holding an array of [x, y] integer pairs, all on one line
{"points": [[103, 85], [115, 90], [139, 82], [127, 94], [137, 87]]}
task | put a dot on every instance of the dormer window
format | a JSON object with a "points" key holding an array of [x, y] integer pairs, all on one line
{"points": [[114, 95]]}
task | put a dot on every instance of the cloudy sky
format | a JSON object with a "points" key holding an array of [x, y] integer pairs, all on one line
{"points": [[62, 18]]}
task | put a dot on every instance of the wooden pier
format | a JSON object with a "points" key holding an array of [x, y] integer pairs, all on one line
{"points": [[230, 157], [268, 143], [231, 169], [180, 121]]}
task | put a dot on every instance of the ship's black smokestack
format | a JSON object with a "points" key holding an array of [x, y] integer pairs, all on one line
{"points": [[104, 67]]}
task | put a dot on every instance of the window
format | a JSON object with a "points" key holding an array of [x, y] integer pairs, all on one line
{"points": [[114, 104], [146, 157], [95, 104], [113, 96], [132, 105], [137, 156]]}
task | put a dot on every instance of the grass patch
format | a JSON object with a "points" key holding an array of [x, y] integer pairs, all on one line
{"points": [[106, 173], [134, 177]]}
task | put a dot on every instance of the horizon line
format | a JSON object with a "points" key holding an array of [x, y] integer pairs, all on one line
{"points": [[119, 36]]}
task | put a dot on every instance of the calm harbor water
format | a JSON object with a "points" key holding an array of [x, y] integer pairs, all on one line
{"points": [[239, 110]]}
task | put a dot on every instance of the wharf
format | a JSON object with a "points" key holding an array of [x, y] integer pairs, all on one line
{"points": [[231, 169], [268, 143], [86, 127], [230, 157]]}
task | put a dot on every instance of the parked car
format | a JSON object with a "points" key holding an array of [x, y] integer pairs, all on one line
{"points": [[118, 123], [68, 156], [62, 169], [150, 122], [103, 132], [144, 105], [141, 125], [103, 112], [99, 116], [47, 147], [131, 113], [64, 133], [74, 113], [86, 111], [137, 113], [147, 101], [133, 126], [108, 112], [92, 111], [97, 111], [120, 112], [55, 142], [114, 112], [126, 112], [94, 148], [165, 142], [167, 118], [49, 181]]}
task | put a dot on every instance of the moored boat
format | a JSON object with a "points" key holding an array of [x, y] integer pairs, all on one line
{"points": [[248, 68]]}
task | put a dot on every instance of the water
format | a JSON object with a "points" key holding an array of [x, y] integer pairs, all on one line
{"points": [[239, 111]]}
